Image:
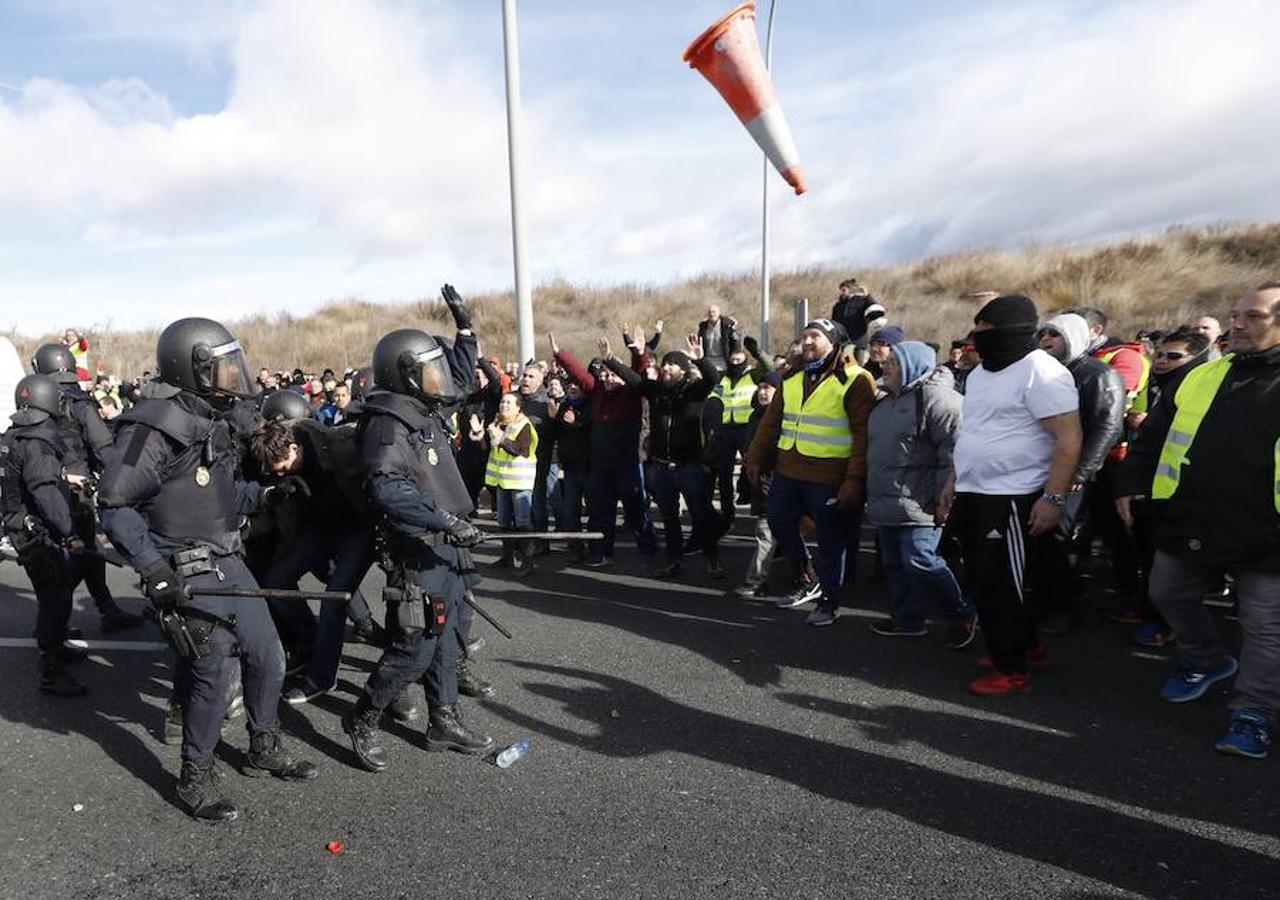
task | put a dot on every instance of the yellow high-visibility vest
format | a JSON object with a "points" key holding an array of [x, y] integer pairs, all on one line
{"points": [[736, 397], [506, 470], [817, 426], [1194, 397]]}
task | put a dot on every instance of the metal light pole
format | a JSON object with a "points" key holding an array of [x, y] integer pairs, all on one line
{"points": [[524, 297], [764, 217]]}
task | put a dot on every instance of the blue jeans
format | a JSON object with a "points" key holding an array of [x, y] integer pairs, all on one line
{"points": [[789, 500], [693, 482], [919, 577], [605, 488], [514, 509]]}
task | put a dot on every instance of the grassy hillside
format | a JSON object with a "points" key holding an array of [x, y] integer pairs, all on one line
{"points": [[1143, 281]]}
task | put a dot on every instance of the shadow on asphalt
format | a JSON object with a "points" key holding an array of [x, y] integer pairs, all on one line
{"points": [[1090, 840], [115, 700]]}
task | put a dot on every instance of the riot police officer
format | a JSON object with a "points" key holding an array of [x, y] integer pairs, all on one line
{"points": [[171, 502], [36, 505], [85, 440], [421, 503]]}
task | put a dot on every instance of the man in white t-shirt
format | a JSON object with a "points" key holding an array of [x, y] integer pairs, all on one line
{"points": [[1014, 462]]}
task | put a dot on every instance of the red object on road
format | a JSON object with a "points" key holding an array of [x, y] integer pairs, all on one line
{"points": [[334, 847]]}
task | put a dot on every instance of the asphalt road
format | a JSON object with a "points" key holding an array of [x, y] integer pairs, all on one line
{"points": [[684, 744]]}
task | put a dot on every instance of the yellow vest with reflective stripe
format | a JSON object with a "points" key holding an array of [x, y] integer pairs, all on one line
{"points": [[736, 397], [1194, 397], [818, 426], [506, 470]]}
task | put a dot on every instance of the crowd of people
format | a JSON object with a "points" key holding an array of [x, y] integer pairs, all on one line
{"points": [[985, 479]]}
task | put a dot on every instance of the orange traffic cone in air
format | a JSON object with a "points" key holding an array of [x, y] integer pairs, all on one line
{"points": [[728, 55]]}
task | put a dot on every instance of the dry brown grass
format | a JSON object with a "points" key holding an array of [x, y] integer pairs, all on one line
{"points": [[1140, 282]]}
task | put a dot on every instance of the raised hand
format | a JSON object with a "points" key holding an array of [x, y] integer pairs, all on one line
{"points": [[694, 344], [551, 339], [457, 306], [604, 347]]}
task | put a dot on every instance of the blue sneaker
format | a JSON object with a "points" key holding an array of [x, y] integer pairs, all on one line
{"points": [[823, 614], [1248, 735], [1186, 684]]}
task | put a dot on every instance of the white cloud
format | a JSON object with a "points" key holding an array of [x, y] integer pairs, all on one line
{"points": [[360, 151]]}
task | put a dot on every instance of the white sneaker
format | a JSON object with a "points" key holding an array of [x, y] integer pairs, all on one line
{"points": [[800, 596]]}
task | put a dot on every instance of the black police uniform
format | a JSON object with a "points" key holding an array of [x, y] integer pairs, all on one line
{"points": [[36, 506], [170, 493], [420, 500], [172, 501]]}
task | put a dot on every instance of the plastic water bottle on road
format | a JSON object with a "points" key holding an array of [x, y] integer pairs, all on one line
{"points": [[507, 758]]}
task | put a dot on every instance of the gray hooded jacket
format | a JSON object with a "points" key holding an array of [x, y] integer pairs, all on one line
{"points": [[911, 437]]}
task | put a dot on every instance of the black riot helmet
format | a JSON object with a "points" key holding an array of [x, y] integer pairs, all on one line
{"points": [[39, 393], [201, 356], [285, 406], [412, 362], [55, 361]]}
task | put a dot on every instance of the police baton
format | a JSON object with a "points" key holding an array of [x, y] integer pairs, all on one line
{"points": [[265, 593], [543, 535]]}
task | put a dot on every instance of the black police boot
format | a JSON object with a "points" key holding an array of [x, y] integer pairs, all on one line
{"points": [[70, 654], [448, 733], [367, 631], [116, 619], [361, 725], [404, 708], [470, 684], [173, 723], [267, 756], [56, 680], [200, 790]]}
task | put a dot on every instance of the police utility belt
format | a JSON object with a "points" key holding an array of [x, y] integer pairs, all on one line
{"points": [[413, 609], [186, 629]]}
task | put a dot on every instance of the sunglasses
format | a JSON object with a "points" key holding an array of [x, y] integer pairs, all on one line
{"points": [[1171, 355]]}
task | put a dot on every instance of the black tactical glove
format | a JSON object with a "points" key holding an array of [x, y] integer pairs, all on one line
{"points": [[453, 300], [752, 346], [163, 586], [286, 489], [462, 533]]}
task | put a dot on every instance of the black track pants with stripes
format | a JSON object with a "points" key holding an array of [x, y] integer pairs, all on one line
{"points": [[993, 536]]}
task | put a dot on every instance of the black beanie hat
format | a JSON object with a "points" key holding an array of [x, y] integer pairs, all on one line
{"points": [[677, 357], [1009, 311], [833, 330]]}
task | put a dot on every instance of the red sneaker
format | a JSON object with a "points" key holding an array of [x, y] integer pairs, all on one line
{"points": [[1037, 658], [998, 683]]}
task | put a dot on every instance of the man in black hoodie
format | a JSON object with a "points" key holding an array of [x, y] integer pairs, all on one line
{"points": [[1209, 458], [675, 439]]}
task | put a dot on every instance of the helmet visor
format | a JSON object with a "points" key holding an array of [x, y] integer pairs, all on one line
{"points": [[229, 371], [431, 372]]}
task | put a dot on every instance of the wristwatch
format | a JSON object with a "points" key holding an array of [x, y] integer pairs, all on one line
{"points": [[1058, 500]]}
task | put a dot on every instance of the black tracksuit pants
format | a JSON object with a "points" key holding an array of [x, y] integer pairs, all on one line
{"points": [[994, 538]]}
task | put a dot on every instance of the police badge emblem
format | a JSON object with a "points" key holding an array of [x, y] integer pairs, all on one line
{"points": [[203, 477], [432, 456]]}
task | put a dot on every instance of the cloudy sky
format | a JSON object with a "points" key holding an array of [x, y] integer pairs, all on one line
{"points": [[225, 157]]}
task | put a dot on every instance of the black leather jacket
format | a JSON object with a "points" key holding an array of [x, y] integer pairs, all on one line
{"points": [[1102, 403]]}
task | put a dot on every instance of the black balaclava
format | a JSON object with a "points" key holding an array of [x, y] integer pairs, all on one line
{"points": [[1013, 334]]}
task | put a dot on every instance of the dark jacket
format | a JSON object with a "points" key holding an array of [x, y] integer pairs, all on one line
{"points": [[675, 416], [729, 336], [1102, 404], [35, 501], [614, 415], [851, 312], [1223, 513], [573, 439]]}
